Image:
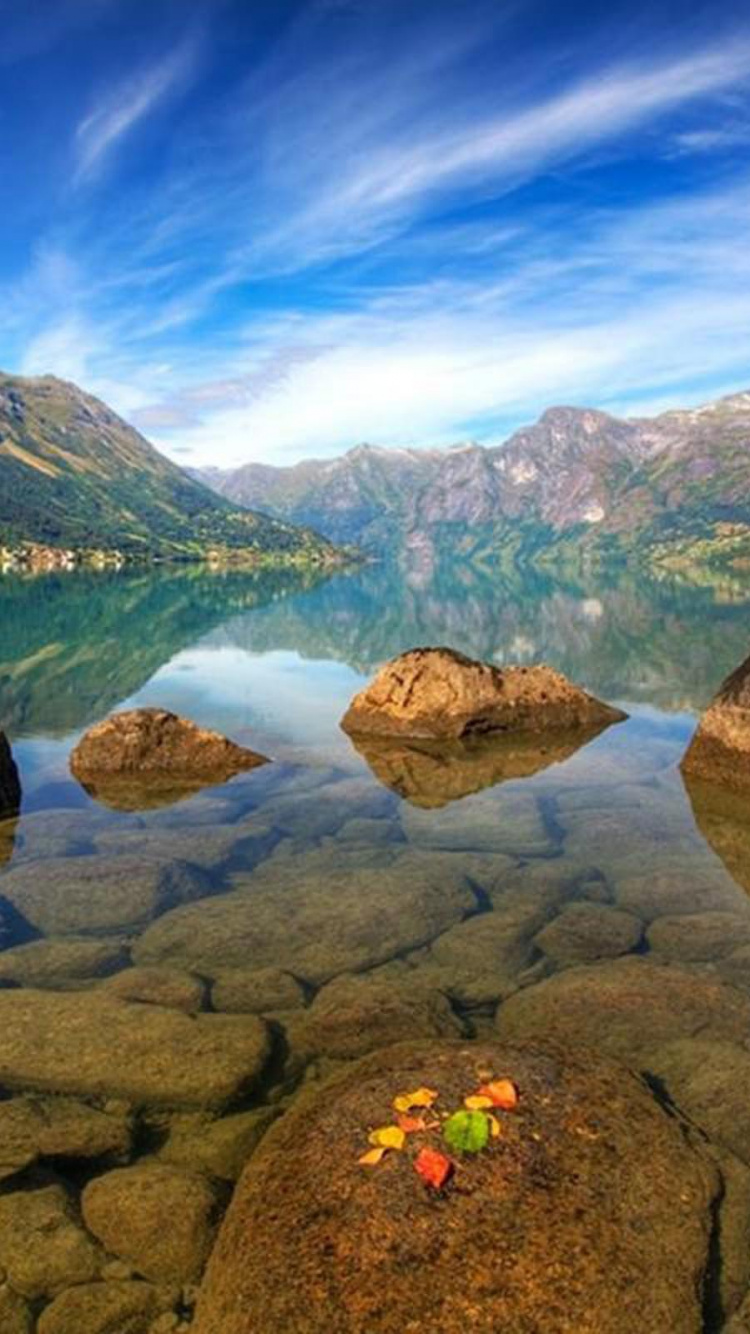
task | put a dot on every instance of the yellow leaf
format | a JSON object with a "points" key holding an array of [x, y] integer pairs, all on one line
{"points": [[494, 1125], [372, 1157], [423, 1097], [477, 1102], [388, 1137]]}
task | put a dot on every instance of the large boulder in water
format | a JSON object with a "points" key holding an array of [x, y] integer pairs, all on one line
{"points": [[720, 749], [590, 1212], [439, 693], [151, 757], [10, 786]]}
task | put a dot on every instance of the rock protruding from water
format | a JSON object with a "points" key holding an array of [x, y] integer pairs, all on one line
{"points": [[151, 757], [720, 749], [10, 785], [439, 693], [591, 1211]]}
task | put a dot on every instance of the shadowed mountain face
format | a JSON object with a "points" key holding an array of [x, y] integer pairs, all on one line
{"points": [[73, 474], [673, 487]]}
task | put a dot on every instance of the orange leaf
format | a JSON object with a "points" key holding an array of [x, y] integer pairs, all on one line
{"points": [[501, 1093], [411, 1124], [423, 1097], [372, 1157], [478, 1102], [433, 1167]]}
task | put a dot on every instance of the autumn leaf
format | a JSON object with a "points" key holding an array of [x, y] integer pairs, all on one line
{"points": [[387, 1137], [373, 1157], [422, 1097], [411, 1124], [494, 1125], [501, 1093], [477, 1102], [467, 1132], [433, 1167]]}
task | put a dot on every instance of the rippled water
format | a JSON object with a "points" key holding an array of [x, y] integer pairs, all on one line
{"points": [[354, 899]]}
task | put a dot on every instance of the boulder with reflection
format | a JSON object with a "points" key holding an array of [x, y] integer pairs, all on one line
{"points": [[439, 693], [143, 758], [722, 817], [720, 749], [431, 774]]}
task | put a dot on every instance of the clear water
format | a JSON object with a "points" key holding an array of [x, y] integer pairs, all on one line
{"points": [[319, 860]]}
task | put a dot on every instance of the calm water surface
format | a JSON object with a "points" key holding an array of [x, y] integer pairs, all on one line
{"points": [[514, 837]]}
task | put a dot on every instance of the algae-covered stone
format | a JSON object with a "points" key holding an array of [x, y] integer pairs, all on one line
{"points": [[314, 928], [583, 932], [158, 986], [59, 964], [626, 1007], [256, 991], [33, 1127], [42, 1247], [699, 936], [209, 846], [220, 1147], [505, 821], [63, 832], [91, 1044], [591, 1212], [437, 692], [351, 1016], [313, 815], [96, 894], [158, 1217], [15, 1312], [102, 1308], [665, 891]]}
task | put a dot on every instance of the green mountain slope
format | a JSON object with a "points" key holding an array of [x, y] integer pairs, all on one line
{"points": [[75, 475]]}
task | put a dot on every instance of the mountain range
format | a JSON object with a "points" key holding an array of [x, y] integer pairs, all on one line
{"points": [[672, 489], [74, 475]]}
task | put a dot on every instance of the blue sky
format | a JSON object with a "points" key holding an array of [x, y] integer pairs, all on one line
{"points": [[269, 230]]}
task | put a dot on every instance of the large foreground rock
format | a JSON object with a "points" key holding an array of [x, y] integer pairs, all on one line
{"points": [[146, 757], [437, 692], [312, 925], [10, 785], [92, 1044], [591, 1212], [720, 748]]}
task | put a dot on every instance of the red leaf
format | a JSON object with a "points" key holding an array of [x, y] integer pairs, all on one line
{"points": [[433, 1167], [411, 1124]]}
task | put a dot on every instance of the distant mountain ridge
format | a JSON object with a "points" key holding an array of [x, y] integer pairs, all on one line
{"points": [[676, 486], [75, 475]]}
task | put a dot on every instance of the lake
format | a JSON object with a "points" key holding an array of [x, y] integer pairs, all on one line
{"points": [[355, 899]]}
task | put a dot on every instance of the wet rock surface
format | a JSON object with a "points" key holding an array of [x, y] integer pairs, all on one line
{"points": [[720, 749], [145, 757], [92, 1044], [159, 1217], [590, 1167], [437, 692]]}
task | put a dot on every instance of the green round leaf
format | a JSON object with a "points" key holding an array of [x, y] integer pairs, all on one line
{"points": [[467, 1132]]}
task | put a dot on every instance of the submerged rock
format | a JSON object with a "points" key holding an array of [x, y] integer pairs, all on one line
{"points": [[353, 1015], [439, 693], [102, 1308], [220, 1147], [158, 1217], [432, 774], [94, 1045], [62, 964], [256, 991], [170, 987], [151, 757], [699, 937], [591, 1212], [39, 1127], [509, 822], [15, 1313], [720, 748], [10, 784], [97, 894], [42, 1246], [584, 931], [314, 925]]}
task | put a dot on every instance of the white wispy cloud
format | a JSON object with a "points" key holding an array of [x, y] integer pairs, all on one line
{"points": [[124, 106]]}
